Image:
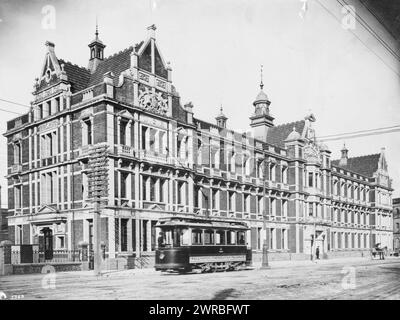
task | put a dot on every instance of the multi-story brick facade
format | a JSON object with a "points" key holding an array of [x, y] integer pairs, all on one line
{"points": [[163, 160], [396, 224]]}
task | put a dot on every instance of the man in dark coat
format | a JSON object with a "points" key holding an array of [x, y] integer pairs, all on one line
{"points": [[317, 253]]}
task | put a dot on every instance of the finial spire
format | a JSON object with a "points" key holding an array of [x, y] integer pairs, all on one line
{"points": [[97, 29], [261, 75]]}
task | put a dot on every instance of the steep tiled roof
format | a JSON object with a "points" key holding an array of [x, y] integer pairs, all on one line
{"points": [[117, 63], [77, 76], [277, 135], [364, 165]]}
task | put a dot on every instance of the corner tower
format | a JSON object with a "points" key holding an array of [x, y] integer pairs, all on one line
{"points": [[261, 120]]}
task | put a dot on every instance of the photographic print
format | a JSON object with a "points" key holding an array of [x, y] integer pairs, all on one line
{"points": [[200, 155]]}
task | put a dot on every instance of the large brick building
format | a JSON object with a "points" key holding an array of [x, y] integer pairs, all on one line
{"points": [[164, 160]]}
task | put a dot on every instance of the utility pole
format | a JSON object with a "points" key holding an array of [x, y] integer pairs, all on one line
{"points": [[265, 264], [98, 188]]}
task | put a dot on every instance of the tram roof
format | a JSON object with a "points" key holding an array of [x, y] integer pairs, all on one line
{"points": [[201, 222]]}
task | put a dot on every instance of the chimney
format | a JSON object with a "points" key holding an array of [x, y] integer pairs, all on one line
{"points": [[345, 156]]}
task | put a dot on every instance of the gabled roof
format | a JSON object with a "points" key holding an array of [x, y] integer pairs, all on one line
{"points": [[364, 165], [77, 76], [116, 63], [278, 134], [81, 78]]}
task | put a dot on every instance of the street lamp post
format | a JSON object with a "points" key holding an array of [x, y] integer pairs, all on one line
{"points": [[265, 264]]}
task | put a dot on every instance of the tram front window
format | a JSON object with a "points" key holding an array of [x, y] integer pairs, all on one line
{"points": [[241, 238]]}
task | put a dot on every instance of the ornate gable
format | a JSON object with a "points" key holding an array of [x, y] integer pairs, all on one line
{"points": [[150, 57], [47, 209], [51, 68]]}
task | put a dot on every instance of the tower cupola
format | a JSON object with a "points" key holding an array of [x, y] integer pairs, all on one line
{"points": [[261, 119], [96, 52], [221, 119], [344, 157]]}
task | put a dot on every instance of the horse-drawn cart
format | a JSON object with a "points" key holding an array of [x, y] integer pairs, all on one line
{"points": [[378, 252]]}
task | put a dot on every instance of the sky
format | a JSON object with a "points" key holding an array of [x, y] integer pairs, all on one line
{"points": [[345, 77]]}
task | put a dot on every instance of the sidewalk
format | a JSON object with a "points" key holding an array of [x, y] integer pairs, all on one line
{"points": [[274, 265], [350, 260]]}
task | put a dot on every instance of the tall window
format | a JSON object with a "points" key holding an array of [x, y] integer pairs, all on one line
{"points": [[17, 153], [214, 199], [284, 174], [152, 139], [87, 132], [144, 130], [232, 162], [181, 187], [161, 137], [246, 202], [124, 184], [284, 208], [260, 169], [122, 132], [272, 175], [271, 238], [124, 234], [153, 189], [196, 196], [85, 186], [283, 240], [259, 204], [144, 187], [161, 189], [230, 201], [272, 207], [18, 197], [310, 179], [48, 187], [48, 145]]}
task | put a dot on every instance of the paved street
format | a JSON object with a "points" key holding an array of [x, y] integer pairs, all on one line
{"points": [[295, 280]]}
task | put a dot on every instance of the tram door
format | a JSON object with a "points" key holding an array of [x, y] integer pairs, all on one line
{"points": [[48, 243]]}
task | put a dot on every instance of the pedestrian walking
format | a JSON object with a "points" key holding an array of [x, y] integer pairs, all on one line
{"points": [[317, 253]]}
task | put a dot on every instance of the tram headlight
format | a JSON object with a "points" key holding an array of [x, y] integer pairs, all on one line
{"points": [[162, 255]]}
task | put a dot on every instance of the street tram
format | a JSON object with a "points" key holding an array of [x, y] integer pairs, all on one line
{"points": [[186, 243]]}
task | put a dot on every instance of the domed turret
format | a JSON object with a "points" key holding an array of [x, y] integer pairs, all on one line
{"points": [[221, 119], [261, 120], [261, 98]]}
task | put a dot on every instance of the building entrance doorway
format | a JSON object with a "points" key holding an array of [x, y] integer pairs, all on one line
{"points": [[47, 243]]}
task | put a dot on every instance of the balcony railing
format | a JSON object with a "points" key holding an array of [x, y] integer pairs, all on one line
{"points": [[84, 151], [125, 150], [153, 156], [16, 168]]}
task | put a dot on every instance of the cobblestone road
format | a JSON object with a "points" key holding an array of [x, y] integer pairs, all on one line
{"points": [[342, 279]]}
